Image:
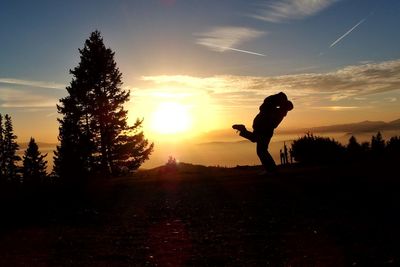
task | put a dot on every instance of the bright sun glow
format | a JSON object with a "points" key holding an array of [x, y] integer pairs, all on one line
{"points": [[171, 118]]}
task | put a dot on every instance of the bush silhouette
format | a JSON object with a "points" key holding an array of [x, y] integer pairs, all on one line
{"points": [[316, 149]]}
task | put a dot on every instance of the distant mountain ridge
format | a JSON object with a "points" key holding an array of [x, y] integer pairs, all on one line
{"points": [[228, 135], [359, 127]]}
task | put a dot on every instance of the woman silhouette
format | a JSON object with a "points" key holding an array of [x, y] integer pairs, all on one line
{"points": [[272, 111]]}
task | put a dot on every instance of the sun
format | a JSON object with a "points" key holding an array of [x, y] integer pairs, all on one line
{"points": [[171, 118]]}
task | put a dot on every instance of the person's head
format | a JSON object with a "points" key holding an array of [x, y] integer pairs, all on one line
{"points": [[282, 96], [278, 100], [284, 102]]}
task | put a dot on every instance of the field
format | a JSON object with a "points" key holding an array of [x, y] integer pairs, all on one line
{"points": [[205, 216]]}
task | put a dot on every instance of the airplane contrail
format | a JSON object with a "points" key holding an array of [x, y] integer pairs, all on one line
{"points": [[245, 51], [235, 49], [347, 33]]}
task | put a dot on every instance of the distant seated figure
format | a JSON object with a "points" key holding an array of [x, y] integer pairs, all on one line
{"points": [[272, 111]]}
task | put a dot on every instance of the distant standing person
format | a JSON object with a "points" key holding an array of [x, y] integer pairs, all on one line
{"points": [[291, 155], [282, 156], [272, 111], [285, 153]]}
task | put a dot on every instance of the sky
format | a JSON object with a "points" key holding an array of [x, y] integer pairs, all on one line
{"points": [[206, 63]]}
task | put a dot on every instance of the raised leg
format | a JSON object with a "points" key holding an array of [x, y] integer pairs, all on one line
{"points": [[243, 132]]}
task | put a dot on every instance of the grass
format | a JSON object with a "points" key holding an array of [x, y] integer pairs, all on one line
{"points": [[198, 216]]}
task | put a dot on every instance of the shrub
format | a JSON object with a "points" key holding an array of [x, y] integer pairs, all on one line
{"points": [[316, 149]]}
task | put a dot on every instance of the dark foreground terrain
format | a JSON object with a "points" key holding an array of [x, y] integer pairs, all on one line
{"points": [[197, 216]]}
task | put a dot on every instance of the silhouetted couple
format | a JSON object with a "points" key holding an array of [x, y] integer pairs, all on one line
{"points": [[272, 111]]}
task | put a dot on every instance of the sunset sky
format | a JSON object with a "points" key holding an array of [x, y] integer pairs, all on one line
{"points": [[206, 63]]}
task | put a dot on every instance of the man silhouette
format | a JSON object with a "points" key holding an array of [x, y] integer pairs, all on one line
{"points": [[272, 111]]}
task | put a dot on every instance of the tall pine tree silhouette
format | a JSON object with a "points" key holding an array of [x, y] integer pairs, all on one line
{"points": [[2, 162], [94, 134], [10, 148], [71, 163], [34, 164]]}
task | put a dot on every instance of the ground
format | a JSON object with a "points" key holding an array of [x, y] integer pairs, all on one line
{"points": [[204, 216]]}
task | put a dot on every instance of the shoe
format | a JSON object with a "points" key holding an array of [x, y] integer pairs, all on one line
{"points": [[239, 127]]}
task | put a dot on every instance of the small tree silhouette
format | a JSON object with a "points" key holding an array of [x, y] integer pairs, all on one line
{"points": [[34, 164], [171, 161], [377, 145], [172, 164], [354, 149], [393, 146]]}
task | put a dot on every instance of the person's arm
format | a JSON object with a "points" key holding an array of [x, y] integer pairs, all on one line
{"points": [[281, 112]]}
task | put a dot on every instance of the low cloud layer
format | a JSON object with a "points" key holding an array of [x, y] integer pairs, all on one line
{"points": [[28, 94], [13, 98], [345, 88], [350, 83], [30, 83]]}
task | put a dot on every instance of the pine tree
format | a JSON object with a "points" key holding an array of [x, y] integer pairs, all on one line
{"points": [[94, 131], [10, 148], [71, 156], [2, 163], [131, 149], [34, 168], [377, 144]]}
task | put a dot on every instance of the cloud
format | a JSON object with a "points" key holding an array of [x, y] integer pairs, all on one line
{"points": [[12, 98], [278, 11], [40, 84], [336, 108], [348, 83], [222, 39], [391, 99]]}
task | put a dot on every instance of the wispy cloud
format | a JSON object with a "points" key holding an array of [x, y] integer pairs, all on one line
{"points": [[30, 83], [351, 82], [222, 39], [11, 98], [391, 99], [284, 10], [336, 108], [347, 33]]}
